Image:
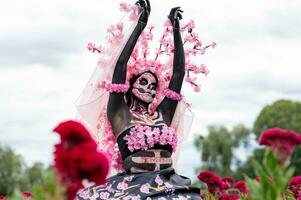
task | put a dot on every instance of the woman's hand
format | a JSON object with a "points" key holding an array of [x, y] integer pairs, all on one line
{"points": [[175, 16], [144, 5]]}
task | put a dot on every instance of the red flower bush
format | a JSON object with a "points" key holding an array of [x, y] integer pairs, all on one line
{"points": [[295, 186], [76, 157], [229, 197], [281, 141], [242, 187], [213, 182]]}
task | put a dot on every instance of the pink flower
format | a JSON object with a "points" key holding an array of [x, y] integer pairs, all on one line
{"points": [[281, 141], [124, 7], [90, 46], [242, 187], [119, 26], [158, 180], [191, 24], [204, 69], [213, 44], [295, 186], [198, 44], [104, 195], [145, 188], [213, 182], [190, 79], [196, 88], [122, 186]]}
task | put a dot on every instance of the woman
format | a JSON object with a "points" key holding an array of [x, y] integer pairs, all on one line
{"points": [[144, 137]]}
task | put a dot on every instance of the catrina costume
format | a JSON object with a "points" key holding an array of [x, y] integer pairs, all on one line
{"points": [[133, 106]]}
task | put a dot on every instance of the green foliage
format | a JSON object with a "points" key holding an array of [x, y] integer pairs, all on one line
{"points": [[15, 176], [11, 167], [218, 147], [273, 179], [284, 114]]}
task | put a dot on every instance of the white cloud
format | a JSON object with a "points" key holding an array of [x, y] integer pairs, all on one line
{"points": [[44, 64]]}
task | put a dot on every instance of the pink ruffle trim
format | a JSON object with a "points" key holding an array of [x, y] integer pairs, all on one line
{"points": [[118, 88], [172, 94], [143, 137]]}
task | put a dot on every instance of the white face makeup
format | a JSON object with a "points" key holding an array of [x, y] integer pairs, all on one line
{"points": [[144, 87]]}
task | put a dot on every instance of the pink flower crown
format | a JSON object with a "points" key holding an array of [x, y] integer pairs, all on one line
{"points": [[161, 62]]}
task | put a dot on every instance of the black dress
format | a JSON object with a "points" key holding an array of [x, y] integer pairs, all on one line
{"points": [[160, 184]]}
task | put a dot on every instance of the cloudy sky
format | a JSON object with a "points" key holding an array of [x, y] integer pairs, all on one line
{"points": [[44, 64]]}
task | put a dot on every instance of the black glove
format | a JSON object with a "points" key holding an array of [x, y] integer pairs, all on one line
{"points": [[175, 16], [144, 5]]}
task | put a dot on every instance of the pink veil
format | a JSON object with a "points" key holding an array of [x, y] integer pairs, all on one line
{"points": [[92, 102]]}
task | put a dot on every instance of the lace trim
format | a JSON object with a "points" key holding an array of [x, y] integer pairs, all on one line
{"points": [[172, 94], [143, 137], [117, 87]]}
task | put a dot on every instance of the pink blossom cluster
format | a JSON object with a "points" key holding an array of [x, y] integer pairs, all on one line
{"points": [[143, 137], [281, 141], [129, 8], [91, 47], [141, 59], [117, 88], [172, 95]]}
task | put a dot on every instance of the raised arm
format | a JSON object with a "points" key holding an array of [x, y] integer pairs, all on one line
{"points": [[116, 100], [168, 106]]}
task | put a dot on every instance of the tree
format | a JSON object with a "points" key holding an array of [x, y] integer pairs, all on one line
{"points": [[284, 114], [15, 176], [11, 166], [218, 148]]}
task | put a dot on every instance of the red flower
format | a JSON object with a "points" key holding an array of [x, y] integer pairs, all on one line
{"points": [[76, 157], [26, 194], [213, 182], [229, 197], [72, 133], [72, 190], [281, 141], [2, 197], [228, 180], [242, 187], [295, 186]]}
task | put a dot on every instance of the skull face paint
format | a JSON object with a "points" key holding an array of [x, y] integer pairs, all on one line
{"points": [[144, 87]]}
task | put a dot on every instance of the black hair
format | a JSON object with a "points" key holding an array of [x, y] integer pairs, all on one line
{"points": [[132, 80]]}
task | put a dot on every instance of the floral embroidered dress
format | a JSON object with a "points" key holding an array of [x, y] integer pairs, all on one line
{"points": [[141, 144]]}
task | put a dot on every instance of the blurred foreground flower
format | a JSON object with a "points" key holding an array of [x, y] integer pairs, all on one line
{"points": [[281, 141], [213, 182], [295, 186], [76, 157]]}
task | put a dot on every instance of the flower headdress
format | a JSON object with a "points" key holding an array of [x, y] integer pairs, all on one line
{"points": [[92, 103]]}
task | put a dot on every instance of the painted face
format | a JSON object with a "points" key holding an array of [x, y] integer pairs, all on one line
{"points": [[144, 87]]}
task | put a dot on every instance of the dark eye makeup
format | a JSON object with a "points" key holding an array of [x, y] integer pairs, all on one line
{"points": [[143, 81]]}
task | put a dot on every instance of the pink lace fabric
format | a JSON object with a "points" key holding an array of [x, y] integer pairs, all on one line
{"points": [[172, 94], [143, 137], [117, 88]]}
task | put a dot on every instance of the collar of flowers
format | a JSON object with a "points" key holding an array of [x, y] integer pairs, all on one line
{"points": [[117, 87], [172, 94]]}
